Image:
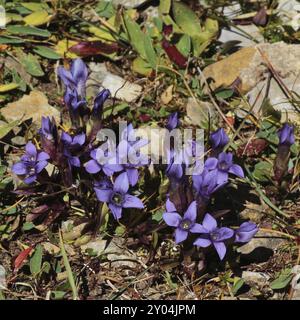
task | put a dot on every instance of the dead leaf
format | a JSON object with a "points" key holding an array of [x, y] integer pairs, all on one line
{"points": [[91, 48], [167, 95], [19, 261]]}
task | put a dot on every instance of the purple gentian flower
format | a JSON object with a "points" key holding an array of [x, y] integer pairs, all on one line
{"points": [[184, 224], [72, 145], [99, 101], [76, 77], [223, 166], [130, 160], [219, 139], [286, 135], [175, 168], [212, 235], [173, 121], [117, 195], [72, 99], [102, 160], [31, 164], [206, 184], [129, 155], [245, 232], [48, 129]]}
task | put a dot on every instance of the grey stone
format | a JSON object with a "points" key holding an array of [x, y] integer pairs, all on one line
{"points": [[119, 256], [258, 278], [233, 34], [262, 240], [101, 78]]}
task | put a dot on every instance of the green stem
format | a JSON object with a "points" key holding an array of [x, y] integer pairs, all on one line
{"points": [[68, 267]]}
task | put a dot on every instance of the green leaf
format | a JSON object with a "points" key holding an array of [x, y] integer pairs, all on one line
{"points": [[283, 280], [57, 295], [225, 94], [263, 171], [36, 260], [46, 267], [28, 226], [120, 230], [169, 21], [28, 30], [157, 216], [32, 65], [164, 6], [141, 66], [46, 52], [19, 80], [237, 284], [33, 6], [68, 267], [150, 52], [2, 170], [105, 9], [37, 18], [115, 110], [8, 87], [186, 19], [10, 40], [199, 45], [184, 45], [140, 41], [7, 127], [211, 26]]}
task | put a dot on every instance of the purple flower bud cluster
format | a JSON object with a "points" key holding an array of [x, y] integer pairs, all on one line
{"points": [[74, 81]]}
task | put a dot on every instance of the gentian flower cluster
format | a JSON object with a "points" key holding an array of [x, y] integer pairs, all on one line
{"points": [[78, 148], [214, 176], [110, 170]]}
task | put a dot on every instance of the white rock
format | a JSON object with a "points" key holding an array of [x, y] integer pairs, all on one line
{"points": [[119, 256], [255, 277], [121, 89], [197, 112], [276, 96], [233, 34], [97, 246], [289, 11], [262, 240], [100, 78]]}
